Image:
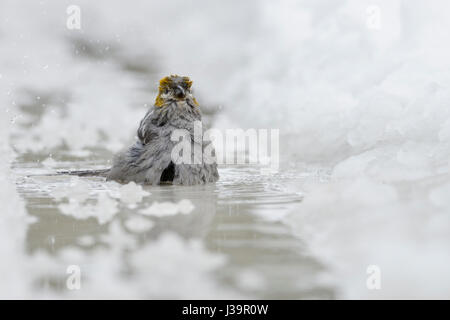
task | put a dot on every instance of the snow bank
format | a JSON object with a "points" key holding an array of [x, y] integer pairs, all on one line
{"points": [[372, 105]]}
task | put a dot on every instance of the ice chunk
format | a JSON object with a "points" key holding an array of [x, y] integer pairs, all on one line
{"points": [[132, 193], [103, 210], [161, 209], [77, 190]]}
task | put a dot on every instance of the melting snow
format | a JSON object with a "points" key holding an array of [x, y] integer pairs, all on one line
{"points": [[132, 193], [161, 209], [103, 210]]}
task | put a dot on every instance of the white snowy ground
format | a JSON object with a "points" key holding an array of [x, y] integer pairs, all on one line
{"points": [[367, 100]]}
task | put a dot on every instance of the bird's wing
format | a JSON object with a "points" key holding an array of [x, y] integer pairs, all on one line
{"points": [[147, 129]]}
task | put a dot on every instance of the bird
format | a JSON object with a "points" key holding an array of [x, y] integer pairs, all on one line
{"points": [[149, 160]]}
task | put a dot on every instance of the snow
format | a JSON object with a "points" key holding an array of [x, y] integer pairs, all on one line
{"points": [[103, 210], [161, 209], [132, 193], [77, 191]]}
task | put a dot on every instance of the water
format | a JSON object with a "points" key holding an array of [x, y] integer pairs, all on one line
{"points": [[237, 218]]}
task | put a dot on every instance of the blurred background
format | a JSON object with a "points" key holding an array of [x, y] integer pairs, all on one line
{"points": [[358, 89]]}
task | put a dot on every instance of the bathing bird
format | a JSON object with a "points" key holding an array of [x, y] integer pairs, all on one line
{"points": [[151, 160]]}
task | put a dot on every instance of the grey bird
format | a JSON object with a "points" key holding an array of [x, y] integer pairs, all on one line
{"points": [[149, 160]]}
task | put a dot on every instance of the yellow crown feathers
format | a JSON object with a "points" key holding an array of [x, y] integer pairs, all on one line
{"points": [[165, 83]]}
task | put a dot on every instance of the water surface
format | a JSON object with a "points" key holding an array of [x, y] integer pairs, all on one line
{"points": [[237, 219]]}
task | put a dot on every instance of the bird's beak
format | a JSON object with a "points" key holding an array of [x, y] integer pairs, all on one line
{"points": [[179, 92]]}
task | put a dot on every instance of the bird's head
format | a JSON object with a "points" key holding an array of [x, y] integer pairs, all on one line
{"points": [[173, 89]]}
